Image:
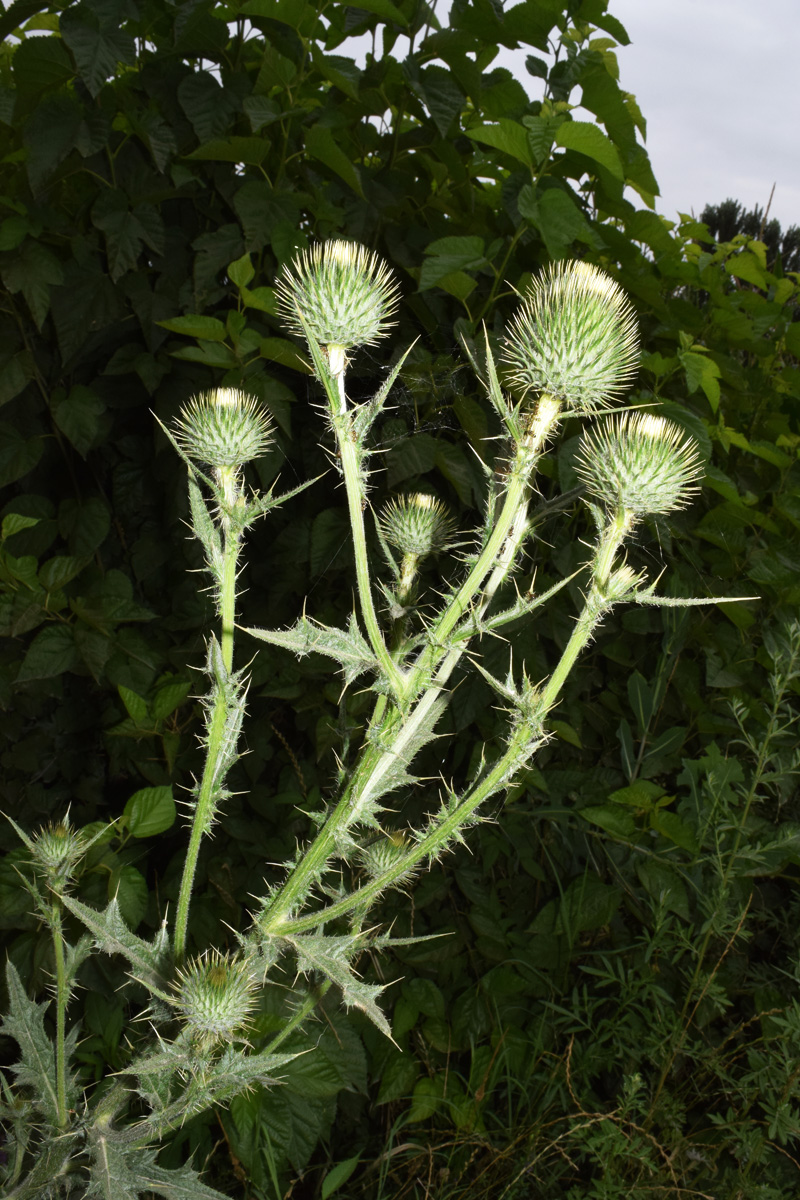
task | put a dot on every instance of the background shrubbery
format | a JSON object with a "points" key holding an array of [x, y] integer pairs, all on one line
{"points": [[615, 1014]]}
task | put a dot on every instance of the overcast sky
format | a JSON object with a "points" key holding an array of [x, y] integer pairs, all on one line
{"points": [[718, 82]]}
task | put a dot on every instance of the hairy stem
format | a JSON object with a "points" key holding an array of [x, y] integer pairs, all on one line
{"points": [[209, 785], [62, 997]]}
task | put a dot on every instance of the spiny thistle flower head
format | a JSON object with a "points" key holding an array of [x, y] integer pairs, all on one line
{"points": [[57, 850], [345, 294], [573, 338], [416, 524], [224, 428], [215, 996], [641, 463]]}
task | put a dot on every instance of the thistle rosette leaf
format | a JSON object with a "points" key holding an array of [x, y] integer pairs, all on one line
{"points": [[416, 524], [574, 338], [641, 463], [224, 428], [345, 294]]}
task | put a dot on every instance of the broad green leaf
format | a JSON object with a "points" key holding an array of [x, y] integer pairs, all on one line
{"points": [[128, 887], [33, 271], [321, 144], [640, 794], [672, 827], [448, 255], [746, 266], [126, 229], [15, 373], [664, 885], [587, 139], [241, 271], [85, 524], [97, 43], [565, 731], [250, 150], [57, 572], [508, 136], [51, 653], [442, 95], [168, 698], [18, 454], [79, 416], [150, 810], [383, 9], [15, 523], [39, 64], [135, 704], [194, 325], [282, 351], [613, 820]]}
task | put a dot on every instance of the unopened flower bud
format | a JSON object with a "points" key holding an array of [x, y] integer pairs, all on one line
{"points": [[574, 338], [224, 428], [642, 463], [216, 995], [416, 524], [345, 295], [57, 850]]}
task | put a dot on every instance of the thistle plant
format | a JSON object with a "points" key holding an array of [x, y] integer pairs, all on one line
{"points": [[570, 350]]}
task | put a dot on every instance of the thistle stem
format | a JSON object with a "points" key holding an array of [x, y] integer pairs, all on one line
{"points": [[62, 997], [203, 810], [350, 454]]}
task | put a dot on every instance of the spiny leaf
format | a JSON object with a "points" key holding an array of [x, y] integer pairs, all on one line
{"points": [[348, 646], [331, 957], [125, 1173], [25, 1023], [150, 961]]}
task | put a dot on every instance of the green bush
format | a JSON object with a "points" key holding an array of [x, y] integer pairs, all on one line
{"points": [[616, 1010]]}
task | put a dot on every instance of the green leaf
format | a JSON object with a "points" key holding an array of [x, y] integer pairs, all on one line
{"points": [[442, 95], [18, 454], [615, 821], [150, 810], [331, 956], [51, 653], [249, 150], [39, 63], [36, 1069], [241, 271], [321, 144], [282, 351], [508, 136], [58, 571], [641, 700], [168, 698], [97, 42], [381, 8], [665, 886], [135, 704], [745, 266], [587, 139], [339, 1175], [557, 218], [126, 230], [33, 271], [15, 523], [450, 254], [348, 647], [128, 888], [671, 826], [78, 416], [195, 325], [120, 1172], [149, 961]]}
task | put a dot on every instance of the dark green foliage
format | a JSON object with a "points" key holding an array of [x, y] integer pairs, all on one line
{"points": [[615, 1013]]}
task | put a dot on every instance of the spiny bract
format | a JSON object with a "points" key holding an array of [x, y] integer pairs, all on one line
{"points": [[345, 294], [574, 337], [223, 428], [216, 995], [416, 524], [641, 463]]}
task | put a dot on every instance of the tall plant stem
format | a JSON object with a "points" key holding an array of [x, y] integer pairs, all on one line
{"points": [[62, 997], [393, 732], [203, 811], [350, 457], [522, 745]]}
